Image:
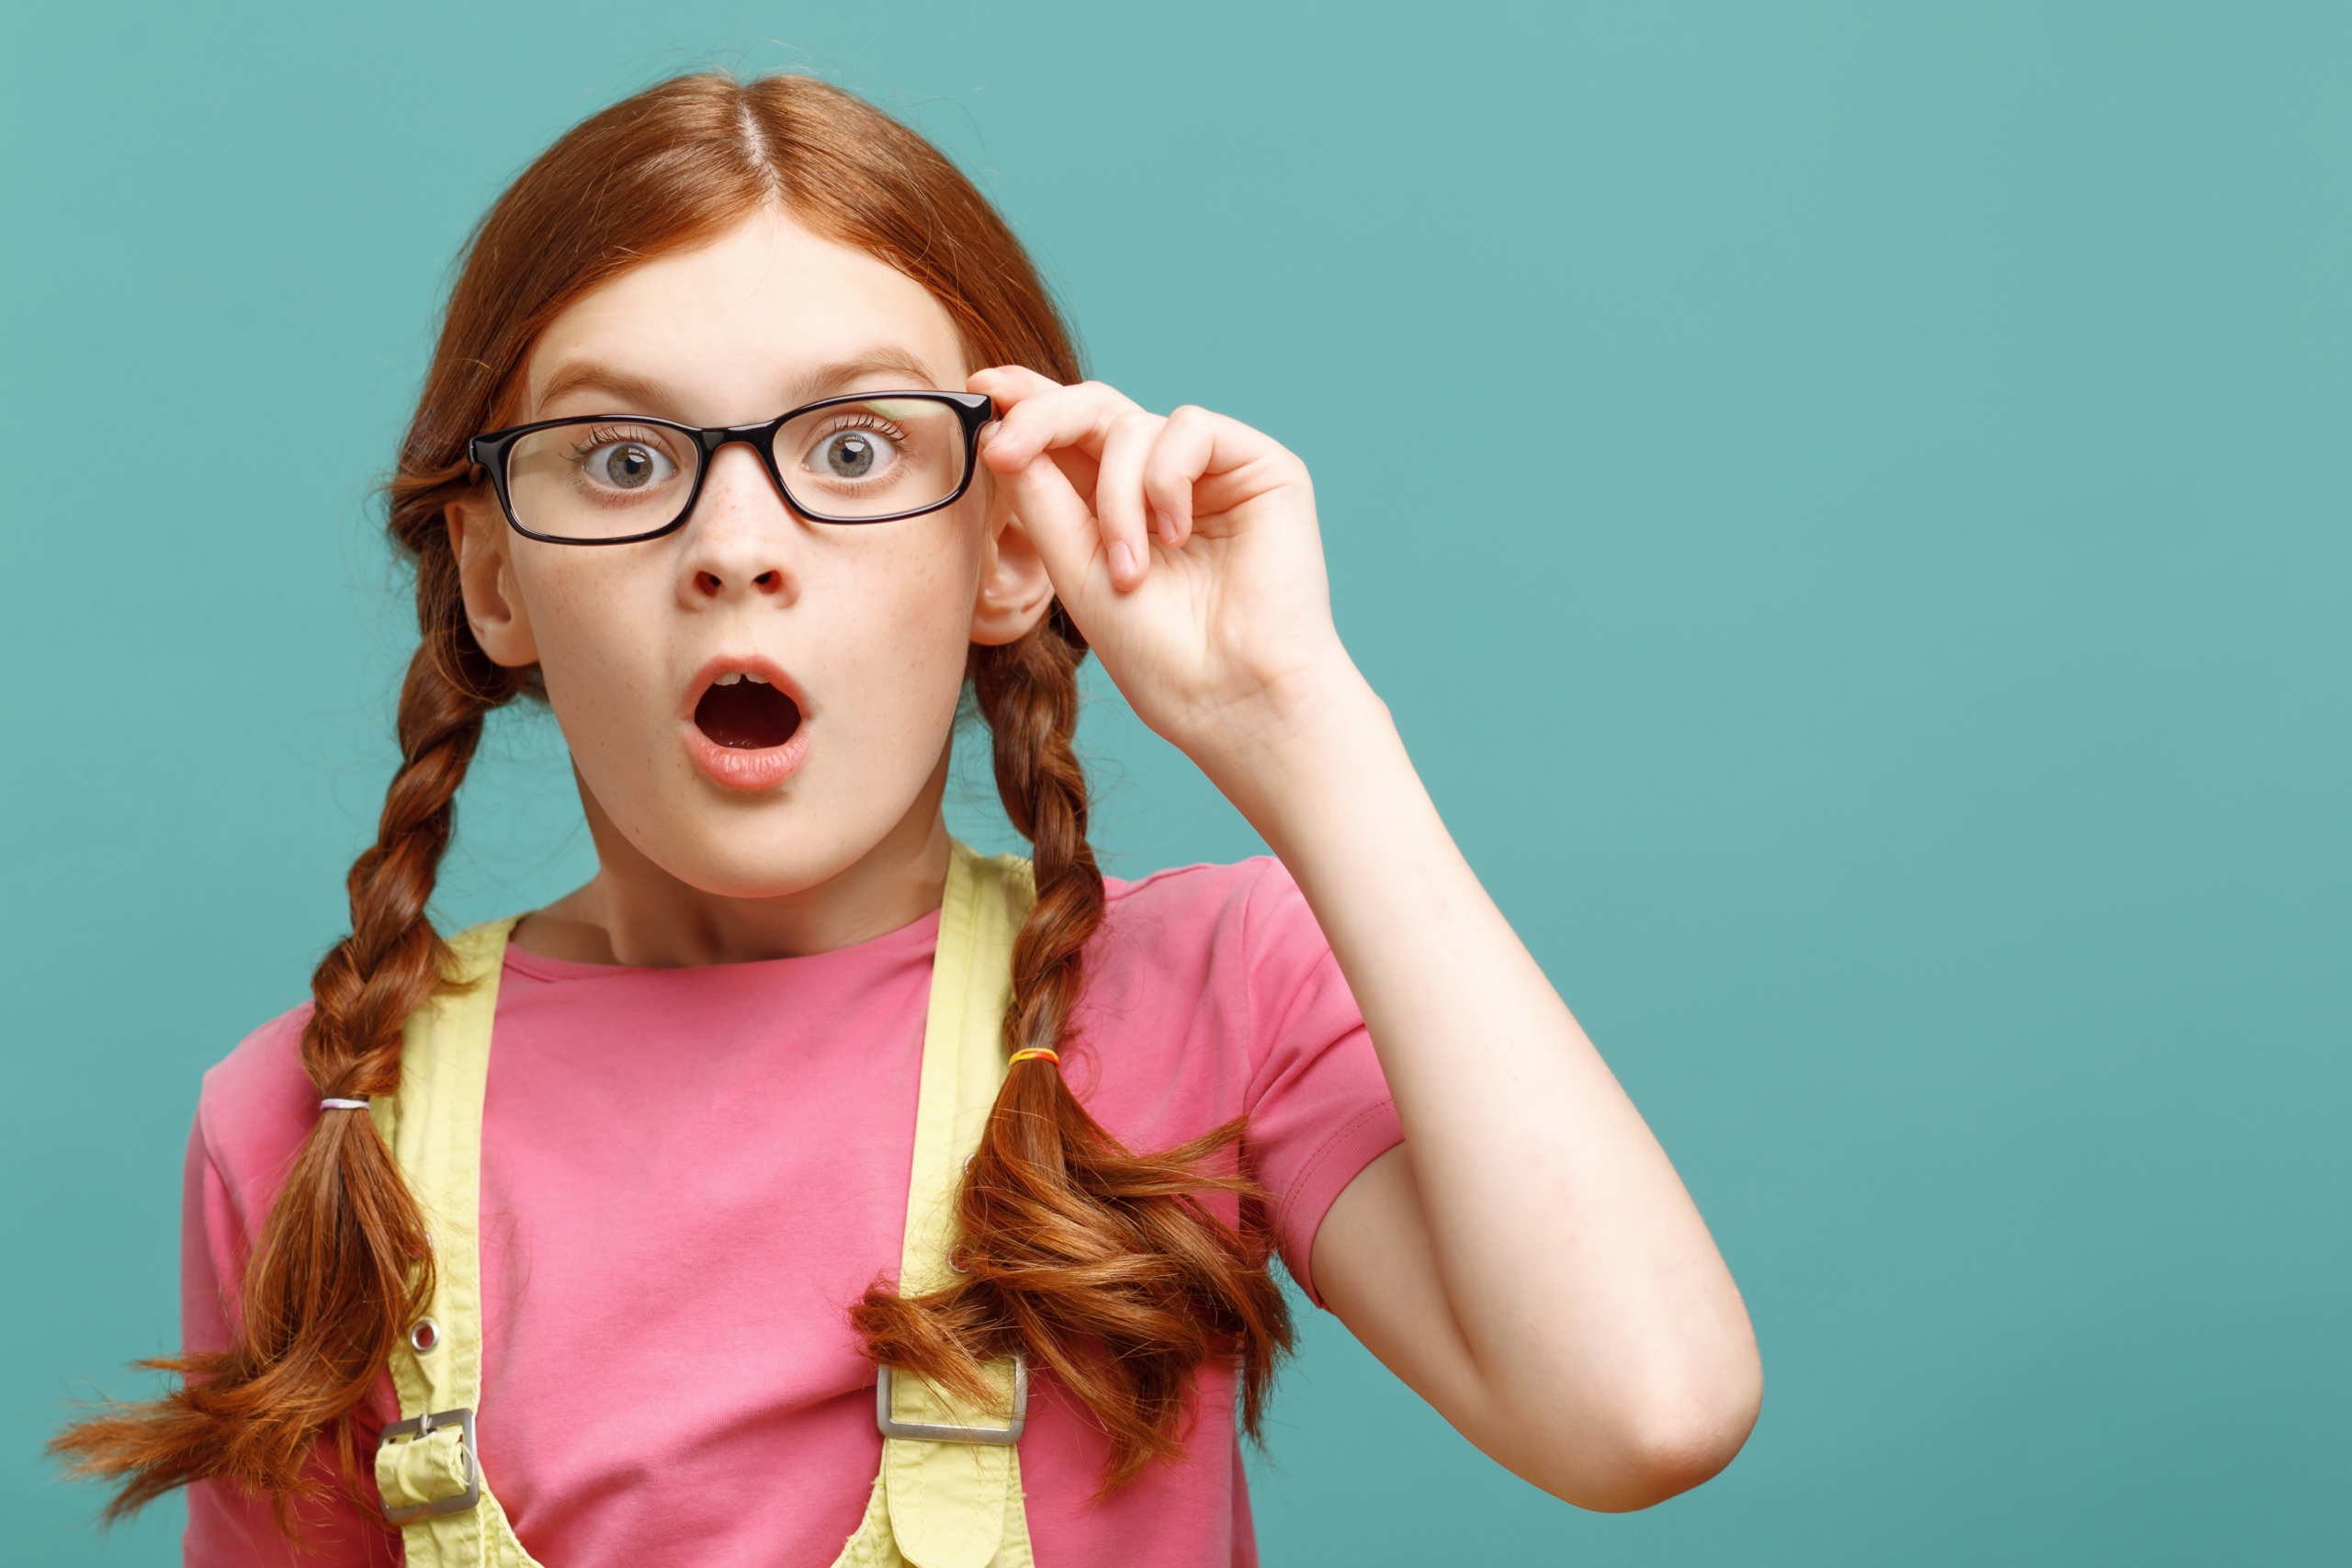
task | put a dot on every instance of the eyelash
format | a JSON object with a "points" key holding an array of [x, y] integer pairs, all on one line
{"points": [[866, 420], [609, 436]]}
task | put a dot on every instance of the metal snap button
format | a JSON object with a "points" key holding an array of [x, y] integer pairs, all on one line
{"points": [[424, 1335]]}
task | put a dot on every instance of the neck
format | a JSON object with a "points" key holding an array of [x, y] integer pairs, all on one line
{"points": [[634, 912]]}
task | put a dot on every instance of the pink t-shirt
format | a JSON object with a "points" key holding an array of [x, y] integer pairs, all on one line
{"points": [[689, 1175]]}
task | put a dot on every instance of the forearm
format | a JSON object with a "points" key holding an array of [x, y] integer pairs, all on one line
{"points": [[1569, 1311], [1592, 1309]]}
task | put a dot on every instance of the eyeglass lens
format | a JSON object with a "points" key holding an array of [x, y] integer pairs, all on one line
{"points": [[612, 477]]}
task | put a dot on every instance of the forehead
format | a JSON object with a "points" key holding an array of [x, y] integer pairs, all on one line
{"points": [[739, 328]]}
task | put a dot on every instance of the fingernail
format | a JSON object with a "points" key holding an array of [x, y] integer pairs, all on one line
{"points": [[1122, 561], [1167, 527]]}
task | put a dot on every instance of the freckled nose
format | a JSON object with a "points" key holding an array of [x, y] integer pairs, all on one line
{"points": [[739, 542]]}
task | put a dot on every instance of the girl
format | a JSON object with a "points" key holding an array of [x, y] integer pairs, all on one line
{"points": [[833, 1195]]}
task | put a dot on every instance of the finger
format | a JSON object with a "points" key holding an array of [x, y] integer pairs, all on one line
{"points": [[1010, 383], [1118, 496], [1079, 416], [1217, 464], [1061, 526], [1006, 385], [1187, 444]]}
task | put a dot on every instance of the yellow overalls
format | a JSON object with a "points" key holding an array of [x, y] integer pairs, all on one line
{"points": [[948, 1495]]}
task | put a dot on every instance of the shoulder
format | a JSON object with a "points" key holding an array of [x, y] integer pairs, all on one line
{"points": [[1233, 945], [257, 1107], [1253, 903]]}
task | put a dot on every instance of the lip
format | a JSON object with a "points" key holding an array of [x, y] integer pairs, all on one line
{"points": [[732, 767]]}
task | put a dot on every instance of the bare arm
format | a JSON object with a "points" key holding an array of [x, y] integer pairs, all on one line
{"points": [[1528, 1261]]}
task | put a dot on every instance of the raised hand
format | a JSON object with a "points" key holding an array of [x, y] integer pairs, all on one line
{"points": [[1527, 1259], [1184, 547]]}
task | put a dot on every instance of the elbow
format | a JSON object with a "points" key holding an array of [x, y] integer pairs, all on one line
{"points": [[1663, 1448], [1669, 1460]]}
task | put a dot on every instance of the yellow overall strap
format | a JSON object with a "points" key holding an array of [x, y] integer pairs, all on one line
{"points": [[948, 1498], [427, 1469], [948, 1495]]}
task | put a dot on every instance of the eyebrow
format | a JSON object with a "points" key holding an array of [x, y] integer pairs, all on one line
{"points": [[587, 376], [887, 360], [645, 395]]}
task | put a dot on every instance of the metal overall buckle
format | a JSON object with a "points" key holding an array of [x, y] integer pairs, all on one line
{"points": [[925, 1432], [423, 1427]]}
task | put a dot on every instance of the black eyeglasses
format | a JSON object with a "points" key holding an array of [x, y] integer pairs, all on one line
{"points": [[619, 479]]}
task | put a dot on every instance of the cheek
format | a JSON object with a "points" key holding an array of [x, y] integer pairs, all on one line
{"points": [[600, 633], [901, 627]]}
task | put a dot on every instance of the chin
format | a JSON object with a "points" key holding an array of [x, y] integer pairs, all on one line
{"points": [[771, 848], [730, 863]]}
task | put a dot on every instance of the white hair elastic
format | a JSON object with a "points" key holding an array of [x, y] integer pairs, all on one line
{"points": [[342, 1105]]}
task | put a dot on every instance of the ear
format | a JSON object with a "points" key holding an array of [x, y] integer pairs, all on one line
{"points": [[1014, 589], [481, 540]]}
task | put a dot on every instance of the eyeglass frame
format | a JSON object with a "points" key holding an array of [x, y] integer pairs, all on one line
{"points": [[489, 450]]}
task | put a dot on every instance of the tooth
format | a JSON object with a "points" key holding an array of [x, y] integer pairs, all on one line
{"points": [[761, 679], [728, 679]]}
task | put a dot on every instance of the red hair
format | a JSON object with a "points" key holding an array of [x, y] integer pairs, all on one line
{"points": [[1108, 1268]]}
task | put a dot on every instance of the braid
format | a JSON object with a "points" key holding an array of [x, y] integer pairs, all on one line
{"points": [[342, 1264], [1029, 696], [1105, 1267]]}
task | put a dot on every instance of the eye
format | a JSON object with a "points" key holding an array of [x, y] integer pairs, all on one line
{"points": [[627, 466], [853, 454]]}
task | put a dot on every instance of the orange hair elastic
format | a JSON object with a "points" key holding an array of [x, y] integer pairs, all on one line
{"points": [[1053, 1057]]}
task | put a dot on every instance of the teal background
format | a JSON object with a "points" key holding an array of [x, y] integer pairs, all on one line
{"points": [[1846, 502]]}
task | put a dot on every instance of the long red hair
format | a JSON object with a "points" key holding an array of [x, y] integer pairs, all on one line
{"points": [[1108, 1268]]}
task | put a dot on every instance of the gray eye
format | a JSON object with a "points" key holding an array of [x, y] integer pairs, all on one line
{"points": [[627, 465], [850, 454]]}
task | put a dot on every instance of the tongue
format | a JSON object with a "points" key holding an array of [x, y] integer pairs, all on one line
{"points": [[748, 716]]}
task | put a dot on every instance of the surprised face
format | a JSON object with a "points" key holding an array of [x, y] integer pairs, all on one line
{"points": [[757, 702]]}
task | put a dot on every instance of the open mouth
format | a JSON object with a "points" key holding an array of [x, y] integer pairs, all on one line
{"points": [[744, 712]]}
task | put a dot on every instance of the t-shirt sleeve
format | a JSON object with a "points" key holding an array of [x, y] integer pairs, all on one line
{"points": [[1319, 1109]]}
